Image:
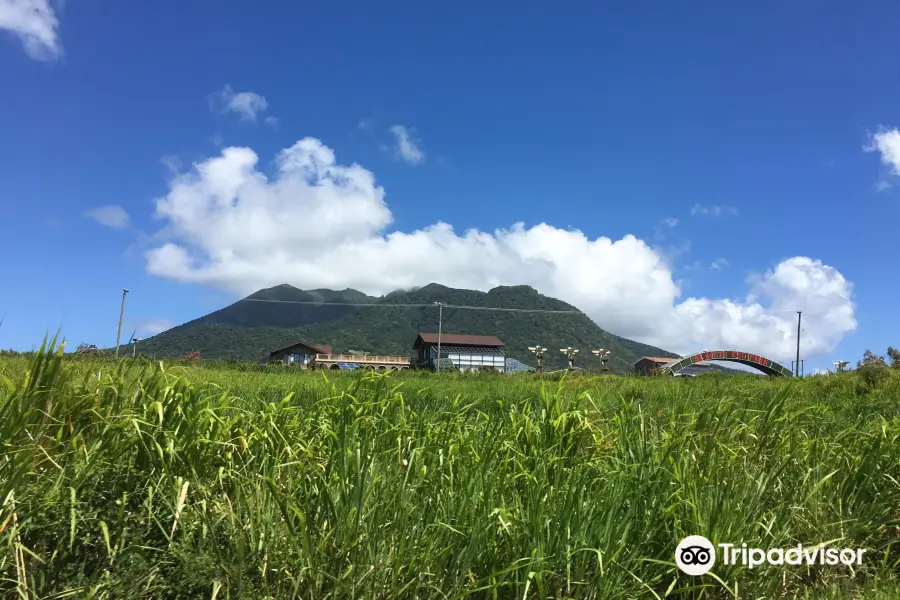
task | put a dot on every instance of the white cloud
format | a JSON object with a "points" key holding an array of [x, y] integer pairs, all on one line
{"points": [[713, 210], [172, 164], [273, 122], [883, 185], [35, 23], [887, 143], [317, 224], [405, 148], [111, 216], [718, 264], [670, 221], [249, 105]]}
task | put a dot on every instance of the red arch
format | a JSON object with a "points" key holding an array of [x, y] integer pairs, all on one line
{"points": [[761, 363]]}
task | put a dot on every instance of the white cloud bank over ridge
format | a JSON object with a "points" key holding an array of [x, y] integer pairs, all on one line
{"points": [[35, 23], [317, 223]]}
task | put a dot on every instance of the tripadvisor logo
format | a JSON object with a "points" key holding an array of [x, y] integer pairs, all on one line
{"points": [[696, 555]]}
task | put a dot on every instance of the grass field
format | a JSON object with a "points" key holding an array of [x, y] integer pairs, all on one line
{"points": [[136, 480]]}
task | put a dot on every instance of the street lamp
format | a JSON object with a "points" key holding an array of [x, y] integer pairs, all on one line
{"points": [[437, 364], [121, 313], [570, 352], [603, 355], [134, 347], [539, 353]]}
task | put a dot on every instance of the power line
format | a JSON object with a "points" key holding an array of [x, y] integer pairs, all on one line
{"points": [[528, 310], [361, 304]]}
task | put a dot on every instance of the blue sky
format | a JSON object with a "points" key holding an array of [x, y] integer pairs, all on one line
{"points": [[687, 175]]}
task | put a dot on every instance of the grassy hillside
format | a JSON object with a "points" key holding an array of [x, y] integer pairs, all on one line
{"points": [[283, 312], [247, 330], [130, 481]]}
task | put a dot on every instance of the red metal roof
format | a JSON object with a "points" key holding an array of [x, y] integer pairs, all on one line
{"points": [[454, 339], [317, 349]]}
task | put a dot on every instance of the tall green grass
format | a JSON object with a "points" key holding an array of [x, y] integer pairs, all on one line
{"points": [[137, 480]]}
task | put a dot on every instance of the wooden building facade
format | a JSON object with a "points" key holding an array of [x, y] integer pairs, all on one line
{"points": [[462, 352], [298, 353]]}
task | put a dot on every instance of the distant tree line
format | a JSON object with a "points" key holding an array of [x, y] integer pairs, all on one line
{"points": [[871, 359], [874, 368]]}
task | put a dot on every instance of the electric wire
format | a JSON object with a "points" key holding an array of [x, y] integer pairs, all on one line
{"points": [[381, 305]]}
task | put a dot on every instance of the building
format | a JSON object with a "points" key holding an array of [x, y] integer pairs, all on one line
{"points": [[463, 352], [516, 366], [649, 365], [298, 353], [351, 362]]}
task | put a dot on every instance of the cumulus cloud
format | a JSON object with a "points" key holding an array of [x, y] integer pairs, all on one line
{"points": [[404, 146], [36, 25], [316, 223], [249, 105], [112, 216], [887, 144], [713, 210]]}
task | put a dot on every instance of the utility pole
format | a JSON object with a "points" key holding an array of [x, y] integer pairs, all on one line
{"points": [[570, 352], [134, 347], [797, 364], [437, 364], [121, 314], [539, 353]]}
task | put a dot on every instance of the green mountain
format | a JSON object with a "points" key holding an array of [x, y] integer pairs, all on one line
{"points": [[277, 307], [350, 320]]}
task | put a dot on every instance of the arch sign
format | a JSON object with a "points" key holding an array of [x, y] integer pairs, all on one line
{"points": [[767, 366]]}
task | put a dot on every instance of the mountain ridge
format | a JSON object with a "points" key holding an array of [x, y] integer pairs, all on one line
{"points": [[351, 320]]}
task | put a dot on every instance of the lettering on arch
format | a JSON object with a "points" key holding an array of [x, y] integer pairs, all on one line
{"points": [[766, 365]]}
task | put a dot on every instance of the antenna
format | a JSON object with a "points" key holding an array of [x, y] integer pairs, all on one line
{"points": [[131, 339]]}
